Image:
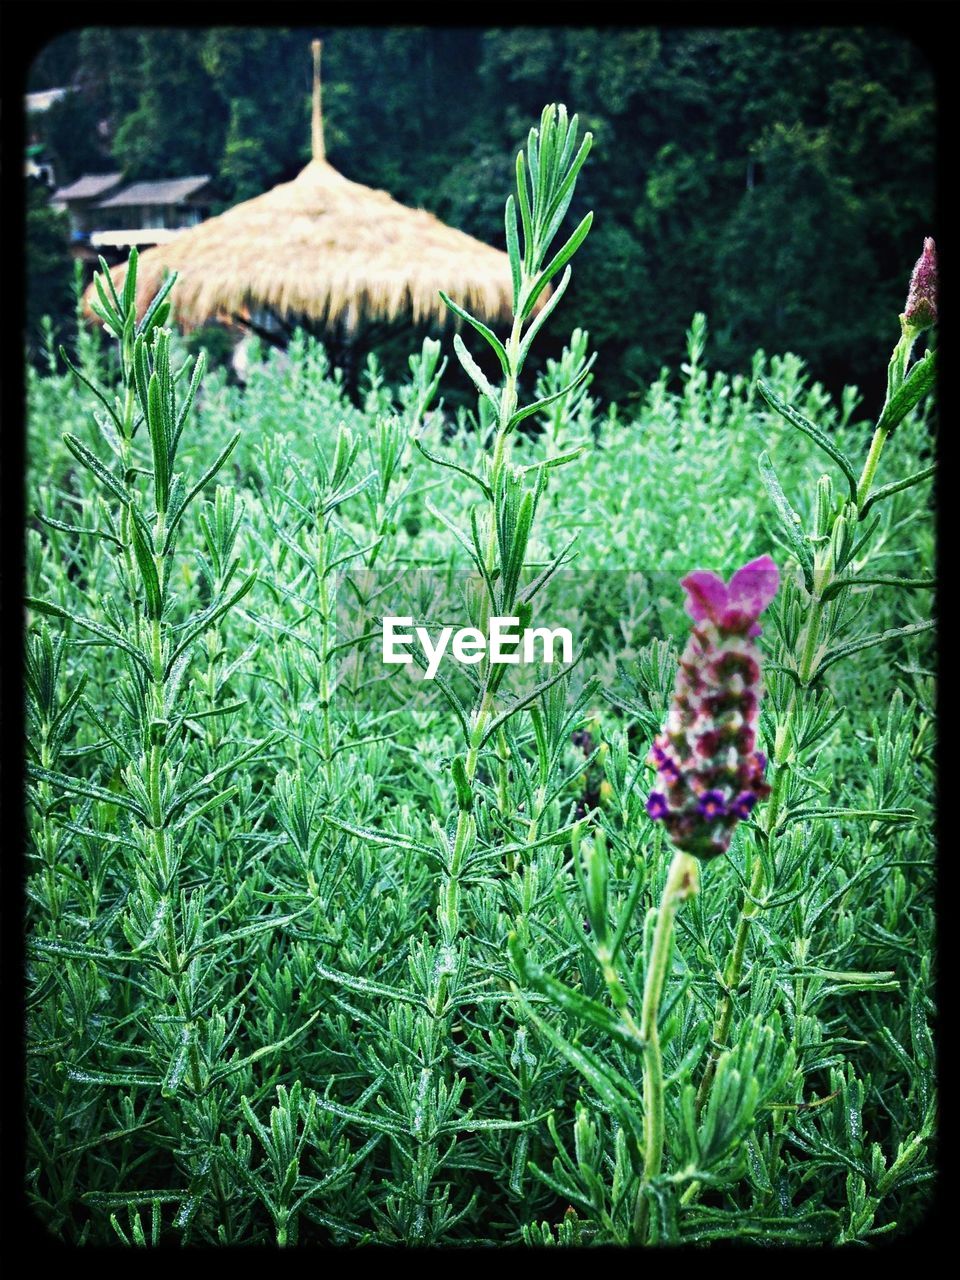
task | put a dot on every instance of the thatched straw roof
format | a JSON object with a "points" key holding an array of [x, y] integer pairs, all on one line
{"points": [[328, 249]]}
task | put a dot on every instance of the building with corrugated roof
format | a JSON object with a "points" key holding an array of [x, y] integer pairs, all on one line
{"points": [[78, 199], [106, 215], [89, 187], [150, 212]]}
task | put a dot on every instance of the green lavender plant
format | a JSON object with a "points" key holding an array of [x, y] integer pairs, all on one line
{"points": [[830, 562], [420, 1085], [565, 384], [832, 559], [152, 805]]}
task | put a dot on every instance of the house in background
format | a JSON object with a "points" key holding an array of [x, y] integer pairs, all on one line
{"points": [[108, 217], [79, 201], [107, 214], [148, 213]]}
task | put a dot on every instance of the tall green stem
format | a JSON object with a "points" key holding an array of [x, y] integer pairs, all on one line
{"points": [[896, 373], [682, 881], [870, 466]]}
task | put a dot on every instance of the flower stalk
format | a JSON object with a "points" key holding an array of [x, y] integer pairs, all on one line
{"points": [[683, 879]]}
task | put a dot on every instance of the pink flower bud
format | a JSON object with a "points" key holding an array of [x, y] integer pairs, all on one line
{"points": [[921, 309], [709, 777]]}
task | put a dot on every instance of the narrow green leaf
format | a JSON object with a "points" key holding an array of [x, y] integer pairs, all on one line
{"points": [[888, 490], [96, 468], [537, 405], [202, 787], [525, 701], [57, 950], [107, 635], [76, 528], [474, 372], [866, 815], [486, 333], [344, 495], [198, 370], [387, 839], [881, 580], [159, 440], [232, 1067], [819, 438], [124, 1078], [615, 1092], [893, 633], [365, 987], [914, 387], [214, 802], [571, 1002], [513, 247], [789, 520], [270, 924], [523, 200], [148, 573], [453, 466], [130, 280], [557, 262], [208, 618], [542, 316], [561, 201], [151, 316], [559, 460], [177, 1069], [80, 787], [362, 1118], [79, 374], [111, 307], [201, 484], [459, 1124]]}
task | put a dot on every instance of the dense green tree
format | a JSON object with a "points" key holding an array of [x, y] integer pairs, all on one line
{"points": [[179, 119], [781, 271], [49, 268], [263, 79]]}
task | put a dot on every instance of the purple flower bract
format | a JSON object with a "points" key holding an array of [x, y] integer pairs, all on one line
{"points": [[709, 777]]}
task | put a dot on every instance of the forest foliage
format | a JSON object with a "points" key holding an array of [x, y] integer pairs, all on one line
{"points": [[768, 177]]}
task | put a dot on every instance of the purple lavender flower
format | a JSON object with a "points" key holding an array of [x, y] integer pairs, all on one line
{"points": [[920, 311], [743, 805], [734, 606], [712, 804], [709, 776], [657, 806]]}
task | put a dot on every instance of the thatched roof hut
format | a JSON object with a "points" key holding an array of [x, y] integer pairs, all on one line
{"points": [[325, 248]]}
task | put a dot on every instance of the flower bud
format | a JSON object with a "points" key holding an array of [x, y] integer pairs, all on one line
{"points": [[921, 310], [709, 773], [841, 541], [825, 507]]}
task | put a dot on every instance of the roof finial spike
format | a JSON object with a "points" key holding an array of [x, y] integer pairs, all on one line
{"points": [[317, 120]]}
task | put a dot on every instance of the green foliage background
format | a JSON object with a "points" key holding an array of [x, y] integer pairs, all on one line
{"points": [[325, 1067], [774, 178]]}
